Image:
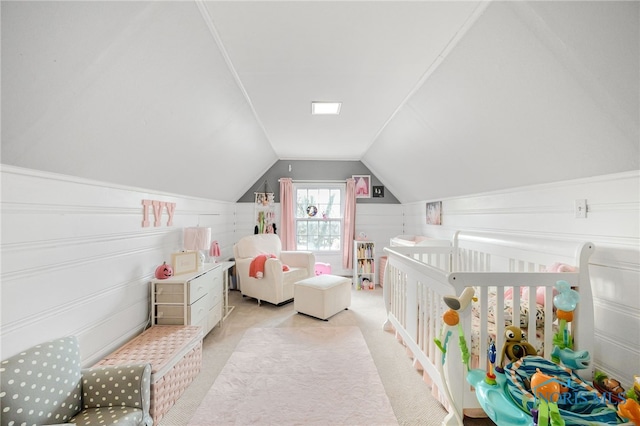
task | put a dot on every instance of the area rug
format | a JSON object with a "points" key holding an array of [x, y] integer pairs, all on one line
{"points": [[297, 376]]}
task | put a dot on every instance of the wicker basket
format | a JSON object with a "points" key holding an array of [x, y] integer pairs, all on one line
{"points": [[175, 355]]}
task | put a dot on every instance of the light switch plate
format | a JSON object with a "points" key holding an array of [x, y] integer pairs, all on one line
{"points": [[581, 209]]}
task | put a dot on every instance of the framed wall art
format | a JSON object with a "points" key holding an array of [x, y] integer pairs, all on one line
{"points": [[363, 186], [184, 262], [434, 213], [378, 192]]}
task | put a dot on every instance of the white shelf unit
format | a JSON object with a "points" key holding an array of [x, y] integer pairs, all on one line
{"points": [[196, 298], [364, 264]]}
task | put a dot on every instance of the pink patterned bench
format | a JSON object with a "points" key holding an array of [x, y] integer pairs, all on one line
{"points": [[175, 355]]}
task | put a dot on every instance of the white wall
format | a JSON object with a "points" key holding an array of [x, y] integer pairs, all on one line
{"points": [[77, 260], [612, 224]]}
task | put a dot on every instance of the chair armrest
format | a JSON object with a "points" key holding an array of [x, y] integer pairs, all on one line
{"points": [[117, 385], [299, 259]]}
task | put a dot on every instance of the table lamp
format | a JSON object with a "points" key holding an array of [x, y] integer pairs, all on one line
{"points": [[197, 239]]}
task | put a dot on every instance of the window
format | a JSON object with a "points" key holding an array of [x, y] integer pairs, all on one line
{"points": [[319, 212]]}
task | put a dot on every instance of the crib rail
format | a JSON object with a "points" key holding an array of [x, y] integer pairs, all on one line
{"points": [[417, 278], [413, 290]]}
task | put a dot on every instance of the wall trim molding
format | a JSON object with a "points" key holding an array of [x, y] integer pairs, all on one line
{"points": [[61, 266], [541, 186], [69, 307], [21, 171]]}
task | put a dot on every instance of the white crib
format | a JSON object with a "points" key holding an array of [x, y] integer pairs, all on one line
{"points": [[417, 278]]}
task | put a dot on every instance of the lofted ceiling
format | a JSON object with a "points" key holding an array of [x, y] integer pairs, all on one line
{"points": [[439, 98]]}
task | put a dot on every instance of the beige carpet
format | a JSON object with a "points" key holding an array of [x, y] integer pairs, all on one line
{"points": [[408, 393], [298, 376]]}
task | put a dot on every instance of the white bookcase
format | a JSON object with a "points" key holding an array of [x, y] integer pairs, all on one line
{"points": [[364, 265]]}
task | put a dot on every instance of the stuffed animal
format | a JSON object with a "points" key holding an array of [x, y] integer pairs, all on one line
{"points": [[515, 347]]}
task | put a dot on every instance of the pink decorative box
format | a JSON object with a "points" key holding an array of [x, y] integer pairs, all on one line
{"points": [[175, 355]]}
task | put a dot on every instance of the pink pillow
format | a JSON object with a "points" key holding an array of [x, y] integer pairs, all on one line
{"points": [[524, 294]]}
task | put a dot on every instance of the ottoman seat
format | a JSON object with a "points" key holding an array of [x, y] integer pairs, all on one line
{"points": [[322, 296]]}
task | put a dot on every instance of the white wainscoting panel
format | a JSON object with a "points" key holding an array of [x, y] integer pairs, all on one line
{"points": [[77, 260]]}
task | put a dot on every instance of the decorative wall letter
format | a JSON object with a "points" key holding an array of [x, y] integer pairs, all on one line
{"points": [[171, 208], [157, 206], [145, 212]]}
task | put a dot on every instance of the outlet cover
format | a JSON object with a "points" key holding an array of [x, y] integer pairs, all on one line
{"points": [[581, 209]]}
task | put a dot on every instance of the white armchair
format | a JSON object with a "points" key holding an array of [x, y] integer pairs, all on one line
{"points": [[276, 284]]}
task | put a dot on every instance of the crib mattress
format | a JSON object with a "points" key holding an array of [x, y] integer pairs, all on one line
{"points": [[175, 355]]}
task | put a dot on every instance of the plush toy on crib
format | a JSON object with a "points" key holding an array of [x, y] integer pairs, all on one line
{"points": [[515, 347]]}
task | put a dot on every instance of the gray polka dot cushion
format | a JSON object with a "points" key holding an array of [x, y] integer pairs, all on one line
{"points": [[45, 385]]}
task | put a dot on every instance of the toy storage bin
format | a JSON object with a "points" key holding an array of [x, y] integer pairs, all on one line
{"points": [[175, 355]]}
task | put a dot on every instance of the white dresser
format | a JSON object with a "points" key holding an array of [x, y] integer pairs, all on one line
{"points": [[196, 298]]}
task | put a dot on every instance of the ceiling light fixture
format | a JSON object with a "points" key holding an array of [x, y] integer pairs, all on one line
{"points": [[325, 108]]}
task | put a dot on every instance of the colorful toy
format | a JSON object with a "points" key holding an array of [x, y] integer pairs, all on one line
{"points": [[491, 355], [630, 409], [451, 318], [164, 271], [611, 388], [565, 302], [515, 347], [547, 390], [575, 360]]}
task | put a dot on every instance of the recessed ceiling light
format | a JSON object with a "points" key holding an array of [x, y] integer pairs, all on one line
{"points": [[319, 108]]}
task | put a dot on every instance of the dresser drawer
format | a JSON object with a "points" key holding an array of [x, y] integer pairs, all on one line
{"points": [[169, 293], [199, 287], [169, 315], [215, 315], [216, 291], [198, 311]]}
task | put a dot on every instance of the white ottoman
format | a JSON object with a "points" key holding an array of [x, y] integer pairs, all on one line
{"points": [[322, 296]]}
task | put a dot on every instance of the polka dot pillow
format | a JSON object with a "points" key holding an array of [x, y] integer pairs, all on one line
{"points": [[42, 385]]}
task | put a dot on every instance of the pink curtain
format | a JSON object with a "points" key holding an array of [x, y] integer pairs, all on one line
{"points": [[349, 224], [287, 223]]}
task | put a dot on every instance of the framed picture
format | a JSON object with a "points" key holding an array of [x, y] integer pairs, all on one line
{"points": [[363, 186], [434, 213], [184, 262], [378, 192]]}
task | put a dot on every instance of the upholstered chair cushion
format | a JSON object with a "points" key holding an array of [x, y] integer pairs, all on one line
{"points": [[42, 385], [120, 392]]}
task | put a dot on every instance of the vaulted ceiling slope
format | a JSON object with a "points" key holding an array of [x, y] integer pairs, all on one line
{"points": [[440, 98]]}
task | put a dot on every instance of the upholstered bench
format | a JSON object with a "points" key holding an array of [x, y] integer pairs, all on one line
{"points": [[322, 296], [175, 355]]}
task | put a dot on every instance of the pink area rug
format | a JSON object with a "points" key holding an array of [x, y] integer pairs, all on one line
{"points": [[298, 376]]}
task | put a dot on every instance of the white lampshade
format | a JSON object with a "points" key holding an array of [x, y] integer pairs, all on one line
{"points": [[197, 238]]}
